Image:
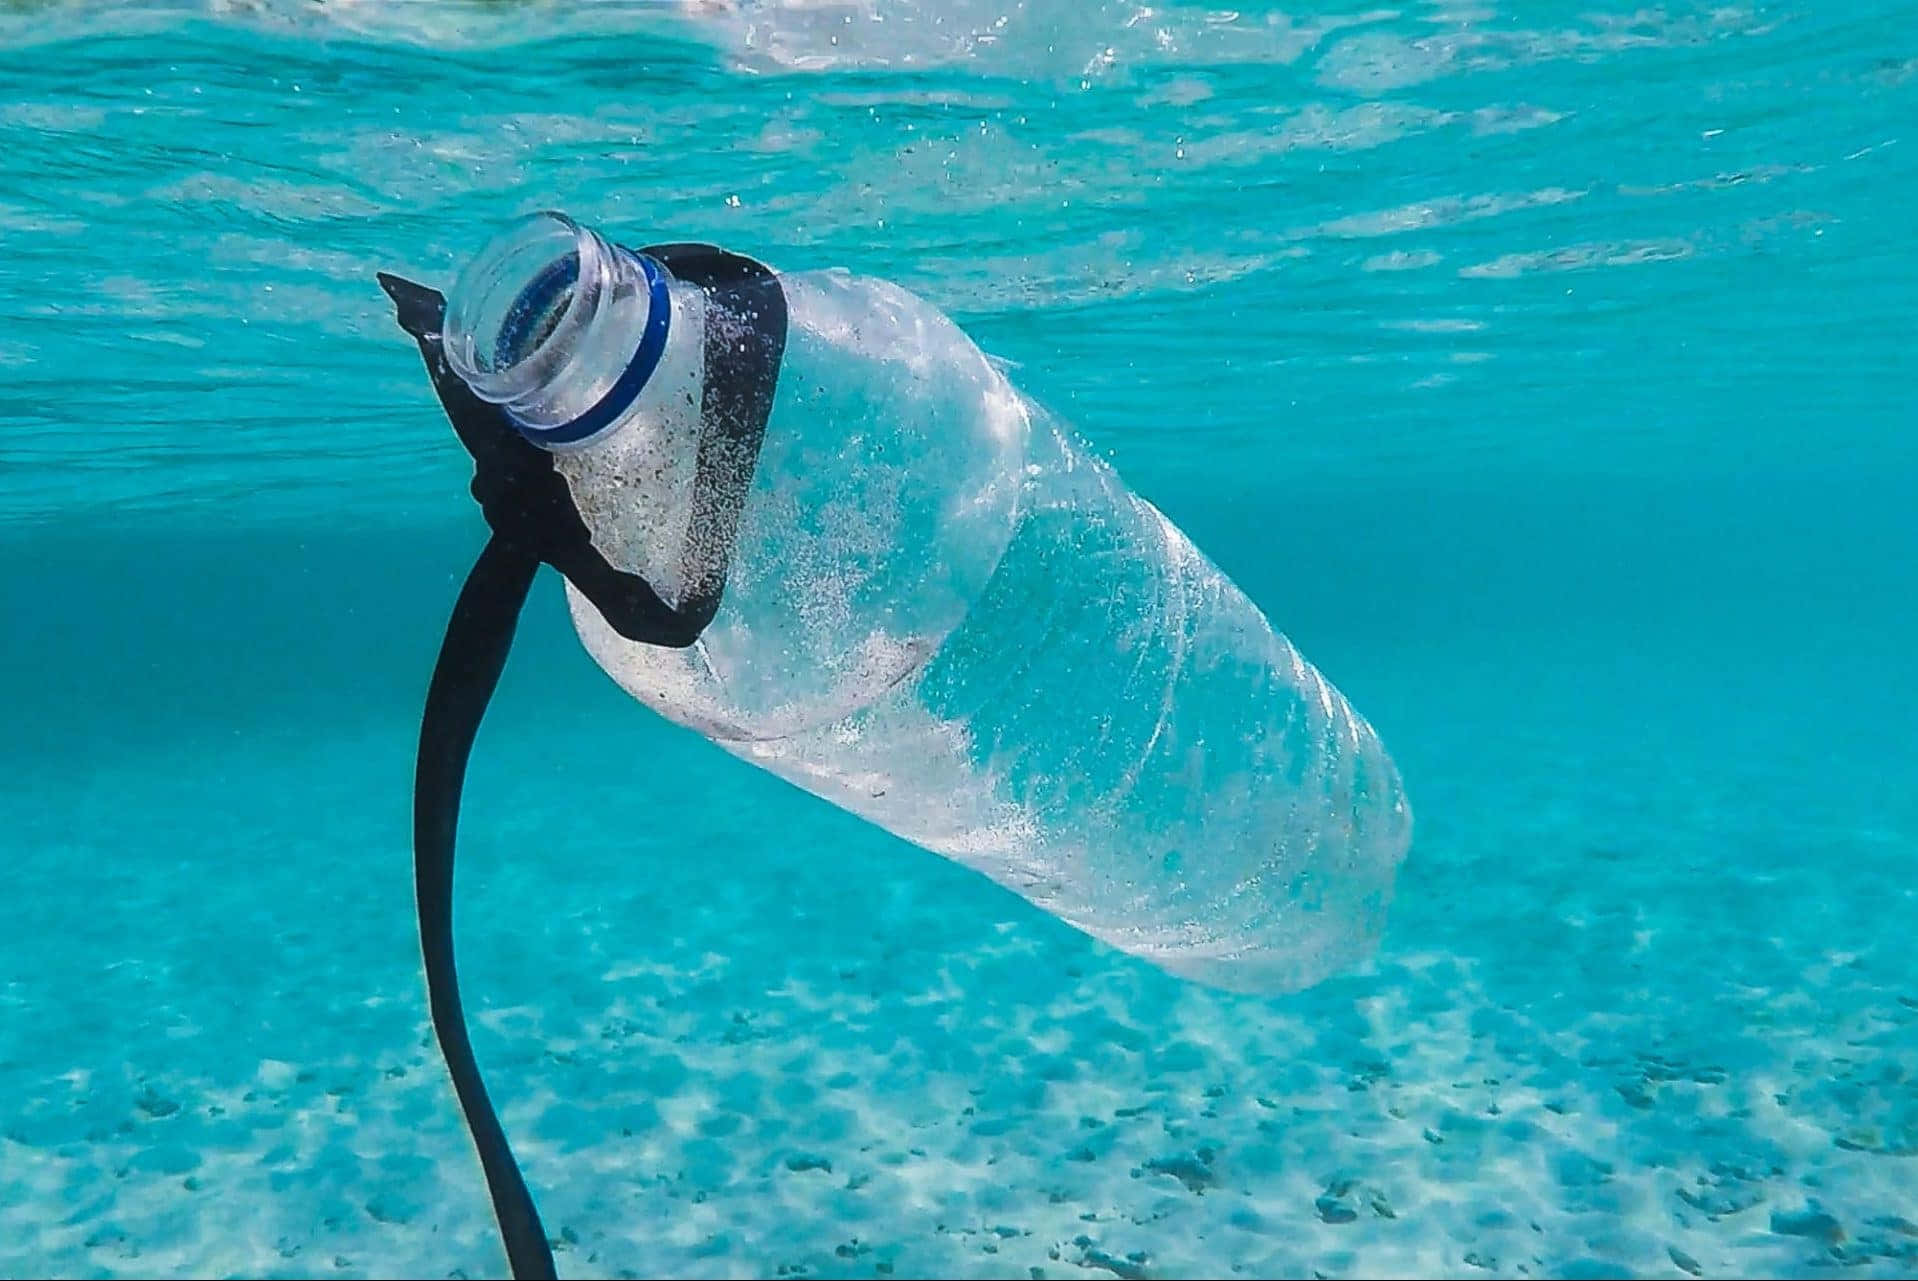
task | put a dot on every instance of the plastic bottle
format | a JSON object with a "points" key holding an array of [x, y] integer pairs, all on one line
{"points": [[946, 615]]}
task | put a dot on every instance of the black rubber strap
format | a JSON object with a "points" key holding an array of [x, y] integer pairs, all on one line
{"points": [[533, 518]]}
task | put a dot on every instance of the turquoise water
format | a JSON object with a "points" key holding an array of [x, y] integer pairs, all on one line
{"points": [[1544, 372]]}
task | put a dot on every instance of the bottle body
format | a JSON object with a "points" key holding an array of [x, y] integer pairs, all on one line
{"points": [[946, 616]]}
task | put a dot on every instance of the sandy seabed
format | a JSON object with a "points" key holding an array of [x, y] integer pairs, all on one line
{"points": [[1646, 1007]]}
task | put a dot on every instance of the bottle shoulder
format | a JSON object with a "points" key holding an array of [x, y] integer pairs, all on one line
{"points": [[874, 318]]}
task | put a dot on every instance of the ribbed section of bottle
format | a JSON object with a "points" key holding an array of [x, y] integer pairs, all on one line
{"points": [[1118, 734]]}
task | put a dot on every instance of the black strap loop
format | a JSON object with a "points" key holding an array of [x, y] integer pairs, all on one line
{"points": [[525, 499]]}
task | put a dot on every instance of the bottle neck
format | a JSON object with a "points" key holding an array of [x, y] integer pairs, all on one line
{"points": [[560, 328]]}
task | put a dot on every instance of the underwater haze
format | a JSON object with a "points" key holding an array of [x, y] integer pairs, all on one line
{"points": [[1544, 371]]}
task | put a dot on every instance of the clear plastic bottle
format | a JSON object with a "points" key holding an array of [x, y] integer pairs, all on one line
{"points": [[945, 615]]}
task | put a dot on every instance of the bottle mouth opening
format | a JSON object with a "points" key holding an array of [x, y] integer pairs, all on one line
{"points": [[517, 308], [537, 313]]}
